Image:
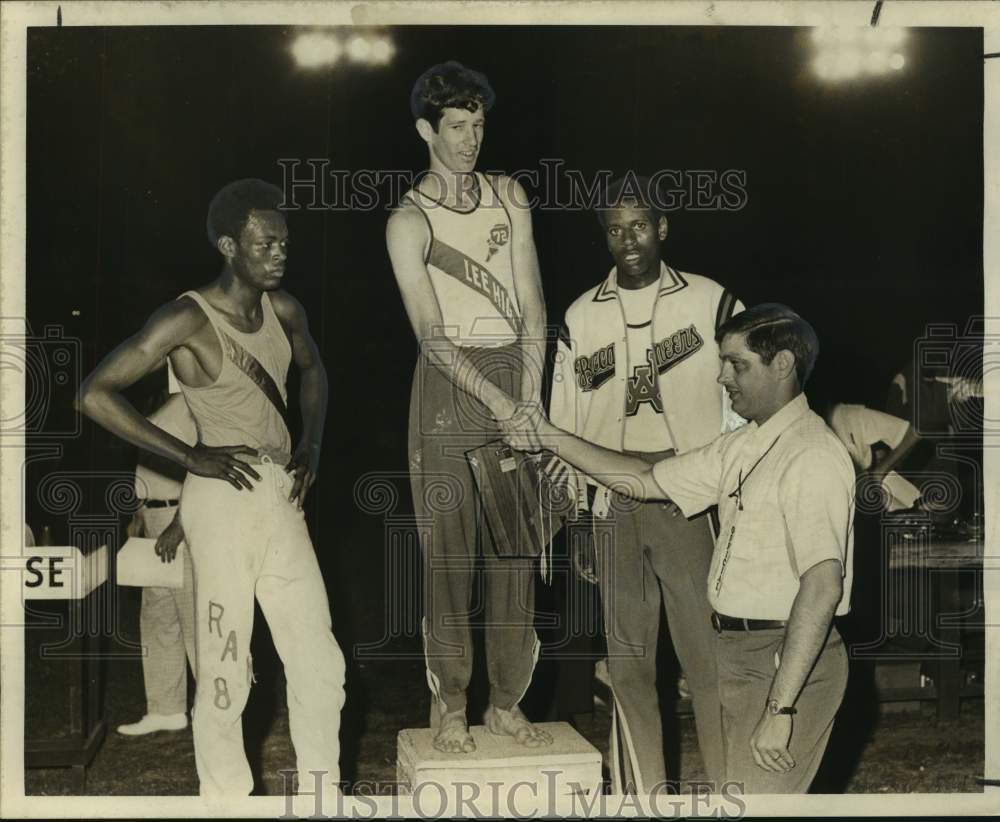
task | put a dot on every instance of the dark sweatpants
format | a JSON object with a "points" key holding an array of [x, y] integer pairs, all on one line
{"points": [[445, 422]]}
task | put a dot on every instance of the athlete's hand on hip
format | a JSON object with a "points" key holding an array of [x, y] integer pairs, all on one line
{"points": [[304, 466], [769, 743], [222, 462], [167, 542]]}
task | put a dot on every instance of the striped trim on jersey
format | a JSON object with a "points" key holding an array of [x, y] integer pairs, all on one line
{"points": [[725, 310]]}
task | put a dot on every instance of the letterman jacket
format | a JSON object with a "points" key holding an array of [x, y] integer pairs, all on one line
{"points": [[591, 368]]}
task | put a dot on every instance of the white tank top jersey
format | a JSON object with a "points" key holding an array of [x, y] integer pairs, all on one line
{"points": [[471, 269], [645, 428], [235, 410]]}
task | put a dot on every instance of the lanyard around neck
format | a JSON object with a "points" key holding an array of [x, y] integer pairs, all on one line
{"points": [[738, 493]]}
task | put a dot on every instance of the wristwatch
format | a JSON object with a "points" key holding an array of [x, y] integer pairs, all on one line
{"points": [[775, 709]]}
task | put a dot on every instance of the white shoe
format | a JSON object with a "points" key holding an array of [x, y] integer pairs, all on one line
{"points": [[155, 722]]}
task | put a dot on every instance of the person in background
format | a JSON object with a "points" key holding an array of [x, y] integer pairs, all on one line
{"points": [[166, 615], [876, 441], [944, 408]]}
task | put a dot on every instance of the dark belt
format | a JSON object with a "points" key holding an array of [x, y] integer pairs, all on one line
{"points": [[161, 503], [721, 623]]}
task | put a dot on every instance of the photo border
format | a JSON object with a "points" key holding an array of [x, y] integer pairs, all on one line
{"points": [[14, 20]]}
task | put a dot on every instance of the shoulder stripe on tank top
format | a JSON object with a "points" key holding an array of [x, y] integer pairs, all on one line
{"points": [[250, 365], [243, 359], [467, 271]]}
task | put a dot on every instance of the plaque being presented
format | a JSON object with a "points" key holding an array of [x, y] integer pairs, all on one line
{"points": [[524, 506]]}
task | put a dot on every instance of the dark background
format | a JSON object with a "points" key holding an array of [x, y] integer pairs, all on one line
{"points": [[864, 207]]}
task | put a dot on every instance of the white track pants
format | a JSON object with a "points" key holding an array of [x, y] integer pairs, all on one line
{"points": [[246, 544]]}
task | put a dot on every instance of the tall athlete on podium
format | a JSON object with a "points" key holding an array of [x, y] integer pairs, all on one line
{"points": [[464, 258]]}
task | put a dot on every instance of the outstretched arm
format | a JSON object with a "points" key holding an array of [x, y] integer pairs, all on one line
{"points": [[100, 397], [627, 475], [313, 393]]}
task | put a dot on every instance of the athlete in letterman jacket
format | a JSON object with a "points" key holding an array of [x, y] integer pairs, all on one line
{"points": [[590, 384], [655, 555]]}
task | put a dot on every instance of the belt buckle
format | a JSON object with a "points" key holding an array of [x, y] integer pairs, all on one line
{"points": [[716, 623]]}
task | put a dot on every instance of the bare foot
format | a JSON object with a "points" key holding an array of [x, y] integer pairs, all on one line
{"points": [[452, 732], [514, 723]]}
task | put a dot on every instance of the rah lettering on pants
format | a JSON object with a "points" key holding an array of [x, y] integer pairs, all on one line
{"points": [[246, 544]]}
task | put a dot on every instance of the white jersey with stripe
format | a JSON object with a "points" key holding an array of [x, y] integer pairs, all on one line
{"points": [[471, 270], [235, 409]]}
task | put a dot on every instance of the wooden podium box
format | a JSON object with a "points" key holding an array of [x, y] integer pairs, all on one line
{"points": [[569, 765]]}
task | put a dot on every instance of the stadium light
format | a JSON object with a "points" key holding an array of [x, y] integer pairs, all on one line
{"points": [[846, 53], [382, 51], [318, 49], [314, 50], [877, 62], [359, 49]]}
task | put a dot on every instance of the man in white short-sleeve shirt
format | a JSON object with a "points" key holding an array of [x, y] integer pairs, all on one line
{"points": [[781, 568], [785, 496], [861, 428]]}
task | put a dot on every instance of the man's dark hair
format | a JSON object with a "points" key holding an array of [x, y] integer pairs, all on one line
{"points": [[449, 85], [230, 208], [771, 327], [630, 188]]}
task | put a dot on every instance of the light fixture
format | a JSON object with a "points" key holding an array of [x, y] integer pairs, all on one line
{"points": [[381, 51], [314, 49], [845, 53], [893, 36], [826, 66], [877, 62], [359, 48], [849, 63]]}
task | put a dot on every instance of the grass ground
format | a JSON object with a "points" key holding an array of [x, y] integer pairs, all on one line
{"points": [[870, 751], [899, 752]]}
